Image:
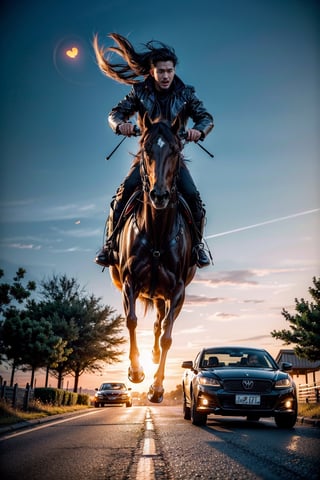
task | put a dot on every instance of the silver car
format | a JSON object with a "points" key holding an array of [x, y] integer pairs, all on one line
{"points": [[113, 393]]}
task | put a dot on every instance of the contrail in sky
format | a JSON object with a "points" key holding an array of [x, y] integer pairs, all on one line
{"points": [[275, 220]]}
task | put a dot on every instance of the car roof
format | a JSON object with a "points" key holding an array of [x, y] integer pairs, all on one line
{"points": [[233, 347]]}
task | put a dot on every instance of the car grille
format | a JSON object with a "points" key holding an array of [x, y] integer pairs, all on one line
{"points": [[235, 385]]}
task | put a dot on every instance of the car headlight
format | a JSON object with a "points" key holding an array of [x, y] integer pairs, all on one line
{"points": [[212, 382], [283, 383]]}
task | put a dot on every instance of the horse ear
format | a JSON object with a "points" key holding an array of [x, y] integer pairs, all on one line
{"points": [[146, 121], [175, 126]]}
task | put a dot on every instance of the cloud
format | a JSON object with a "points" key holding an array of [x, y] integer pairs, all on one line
{"points": [[24, 246], [243, 278], [38, 210], [223, 316], [235, 277], [196, 330], [77, 232], [202, 300], [70, 250], [252, 301], [252, 339]]}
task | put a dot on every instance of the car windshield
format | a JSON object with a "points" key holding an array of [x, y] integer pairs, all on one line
{"points": [[235, 358], [112, 386]]}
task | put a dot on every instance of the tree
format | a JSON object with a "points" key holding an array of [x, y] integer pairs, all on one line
{"points": [[305, 325], [60, 315], [37, 341], [98, 340], [13, 296], [67, 332], [91, 331], [15, 292]]}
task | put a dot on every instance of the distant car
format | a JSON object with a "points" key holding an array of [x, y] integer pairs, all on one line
{"points": [[113, 393], [238, 381]]}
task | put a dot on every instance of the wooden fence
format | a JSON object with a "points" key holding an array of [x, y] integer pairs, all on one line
{"points": [[16, 397], [309, 393]]}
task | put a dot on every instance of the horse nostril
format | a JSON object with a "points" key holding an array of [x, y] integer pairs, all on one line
{"points": [[158, 197]]}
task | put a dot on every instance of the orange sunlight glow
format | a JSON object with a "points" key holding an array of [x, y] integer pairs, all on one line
{"points": [[72, 53]]}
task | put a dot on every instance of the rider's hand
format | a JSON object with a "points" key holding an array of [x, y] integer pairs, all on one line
{"points": [[126, 129], [193, 135]]}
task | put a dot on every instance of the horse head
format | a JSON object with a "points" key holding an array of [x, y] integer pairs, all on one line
{"points": [[160, 160]]}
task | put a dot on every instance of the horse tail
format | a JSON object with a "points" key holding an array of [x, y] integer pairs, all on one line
{"points": [[148, 304]]}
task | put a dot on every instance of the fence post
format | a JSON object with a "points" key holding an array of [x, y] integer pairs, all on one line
{"points": [[14, 395], [26, 397], [3, 390]]}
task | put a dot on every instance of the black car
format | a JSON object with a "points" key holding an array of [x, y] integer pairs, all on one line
{"points": [[113, 393], [238, 381]]}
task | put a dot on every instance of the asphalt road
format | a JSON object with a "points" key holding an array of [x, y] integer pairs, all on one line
{"points": [[156, 443]]}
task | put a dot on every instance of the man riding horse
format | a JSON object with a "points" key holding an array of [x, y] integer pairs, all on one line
{"points": [[161, 95]]}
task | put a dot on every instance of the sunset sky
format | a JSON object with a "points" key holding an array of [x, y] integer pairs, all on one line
{"points": [[255, 65]]}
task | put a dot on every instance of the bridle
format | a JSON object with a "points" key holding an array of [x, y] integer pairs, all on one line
{"points": [[175, 150]]}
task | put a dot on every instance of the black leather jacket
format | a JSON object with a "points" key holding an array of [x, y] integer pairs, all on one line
{"points": [[183, 102]]}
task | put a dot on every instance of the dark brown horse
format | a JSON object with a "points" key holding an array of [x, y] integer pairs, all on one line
{"points": [[155, 249]]}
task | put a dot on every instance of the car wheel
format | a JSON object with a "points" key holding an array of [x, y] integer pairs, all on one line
{"points": [[197, 418], [97, 404], [186, 410], [129, 404], [285, 420]]}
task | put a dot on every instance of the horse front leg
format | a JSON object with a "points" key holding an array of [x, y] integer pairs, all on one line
{"points": [[156, 390], [135, 372], [160, 305]]}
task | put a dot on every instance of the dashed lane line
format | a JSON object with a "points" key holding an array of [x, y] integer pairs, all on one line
{"points": [[145, 469]]}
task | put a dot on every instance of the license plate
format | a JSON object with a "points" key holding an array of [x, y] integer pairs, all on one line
{"points": [[248, 399]]}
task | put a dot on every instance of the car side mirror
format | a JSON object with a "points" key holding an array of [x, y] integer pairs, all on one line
{"points": [[96, 389], [187, 364], [286, 366]]}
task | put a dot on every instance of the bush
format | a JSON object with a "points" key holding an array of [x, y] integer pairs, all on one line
{"points": [[51, 396], [69, 398], [59, 397], [83, 399]]}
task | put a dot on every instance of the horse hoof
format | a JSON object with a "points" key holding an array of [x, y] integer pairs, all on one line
{"points": [[136, 376], [155, 394]]}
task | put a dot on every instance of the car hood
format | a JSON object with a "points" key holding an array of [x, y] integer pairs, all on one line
{"points": [[258, 373]]}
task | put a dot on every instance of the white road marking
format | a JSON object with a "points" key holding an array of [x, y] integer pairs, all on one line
{"points": [[145, 469]]}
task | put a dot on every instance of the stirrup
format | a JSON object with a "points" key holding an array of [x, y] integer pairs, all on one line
{"points": [[105, 257], [202, 258]]}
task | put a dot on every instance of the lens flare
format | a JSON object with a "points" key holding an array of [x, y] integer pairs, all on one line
{"points": [[72, 53]]}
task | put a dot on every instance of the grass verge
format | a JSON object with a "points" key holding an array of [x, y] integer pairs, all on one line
{"points": [[311, 410], [9, 415]]}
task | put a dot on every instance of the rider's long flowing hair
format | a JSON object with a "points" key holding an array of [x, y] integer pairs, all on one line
{"points": [[136, 64]]}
